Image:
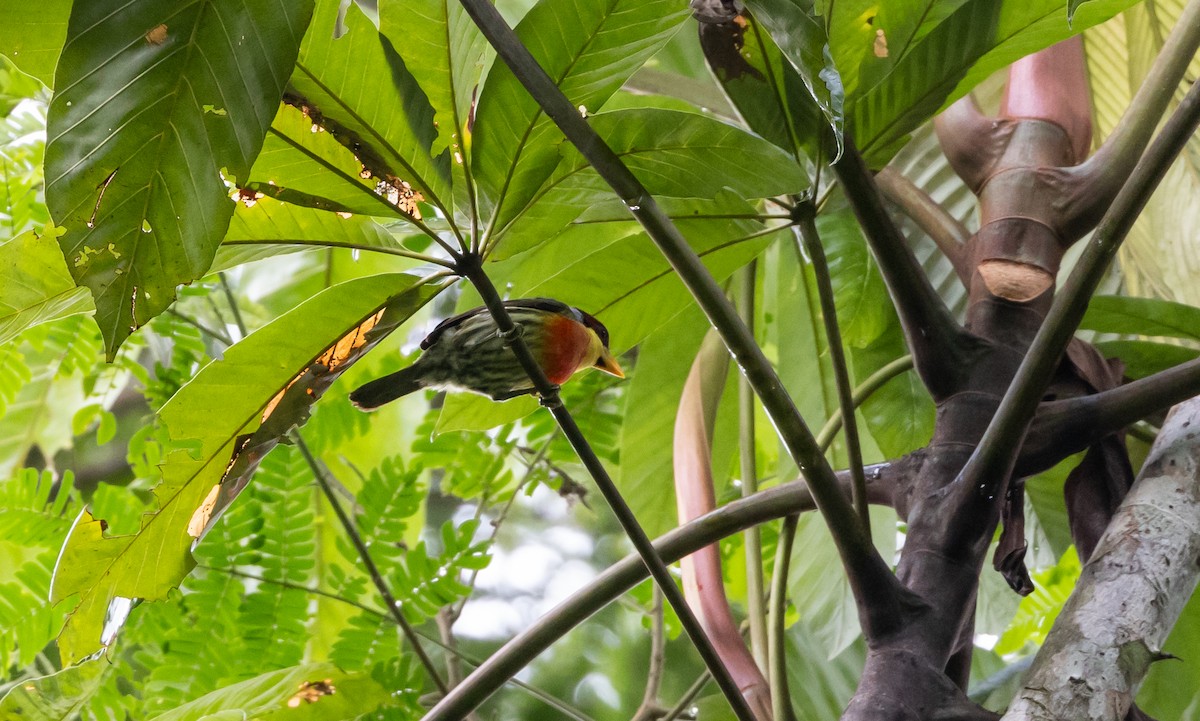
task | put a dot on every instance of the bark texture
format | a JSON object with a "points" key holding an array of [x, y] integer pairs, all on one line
{"points": [[1130, 593]]}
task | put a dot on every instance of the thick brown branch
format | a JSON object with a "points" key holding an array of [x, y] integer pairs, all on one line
{"points": [[941, 348], [1062, 428], [947, 233]]}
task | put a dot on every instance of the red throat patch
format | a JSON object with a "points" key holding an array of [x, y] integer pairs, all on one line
{"points": [[565, 347]]}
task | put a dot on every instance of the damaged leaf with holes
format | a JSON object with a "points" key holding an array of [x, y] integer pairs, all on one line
{"points": [[220, 425]]}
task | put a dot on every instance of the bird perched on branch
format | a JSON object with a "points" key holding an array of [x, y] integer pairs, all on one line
{"points": [[467, 353]]}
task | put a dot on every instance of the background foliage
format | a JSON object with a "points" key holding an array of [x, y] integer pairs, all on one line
{"points": [[296, 170]]}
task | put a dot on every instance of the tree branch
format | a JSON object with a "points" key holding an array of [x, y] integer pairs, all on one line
{"points": [[1062, 428], [381, 585], [869, 574], [756, 611], [990, 465], [622, 576], [811, 240], [942, 349], [1129, 595], [947, 233]]}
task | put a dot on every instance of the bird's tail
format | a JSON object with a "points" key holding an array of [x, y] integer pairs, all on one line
{"points": [[370, 396]]}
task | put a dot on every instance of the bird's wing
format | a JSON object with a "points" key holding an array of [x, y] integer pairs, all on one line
{"points": [[546, 304]]}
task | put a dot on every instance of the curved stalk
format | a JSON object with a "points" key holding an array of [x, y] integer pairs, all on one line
{"points": [[748, 449], [874, 382]]}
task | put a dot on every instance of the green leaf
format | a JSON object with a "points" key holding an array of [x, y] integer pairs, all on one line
{"points": [[35, 286], [1038, 610], [359, 84], [269, 227], [32, 36], [229, 416], [301, 162], [863, 306], [444, 50], [1144, 358], [767, 91], [319, 692], [800, 35], [55, 697], [1141, 316], [134, 161], [948, 55], [589, 48], [674, 154], [604, 264], [470, 412], [651, 403]]}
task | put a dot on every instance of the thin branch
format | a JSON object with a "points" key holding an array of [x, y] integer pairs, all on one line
{"points": [[878, 592], [687, 698], [941, 347], [471, 267], [781, 701], [233, 305], [623, 575], [748, 452], [947, 233], [381, 584], [215, 335], [1103, 173], [658, 655], [837, 356], [991, 463], [874, 382], [1061, 428]]}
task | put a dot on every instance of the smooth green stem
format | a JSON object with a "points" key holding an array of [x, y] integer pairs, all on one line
{"points": [[875, 587], [471, 267], [781, 701], [806, 224], [874, 382], [385, 591], [942, 348], [987, 471], [233, 305], [687, 698], [755, 608]]}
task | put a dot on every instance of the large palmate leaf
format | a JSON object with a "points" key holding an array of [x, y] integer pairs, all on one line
{"points": [[358, 88], [1160, 256], [155, 100], [35, 286], [268, 227], [674, 154], [588, 47], [222, 423], [800, 35], [303, 164], [32, 36], [948, 54]]}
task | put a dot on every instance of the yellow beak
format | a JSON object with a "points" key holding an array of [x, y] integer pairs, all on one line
{"points": [[608, 364]]}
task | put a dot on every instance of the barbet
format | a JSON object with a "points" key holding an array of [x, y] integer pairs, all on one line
{"points": [[466, 352]]}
